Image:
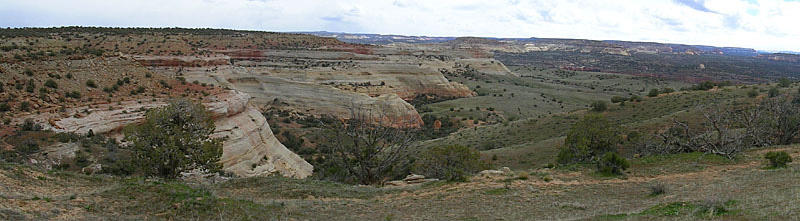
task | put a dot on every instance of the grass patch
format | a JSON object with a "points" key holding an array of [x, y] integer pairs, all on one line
{"points": [[174, 200], [676, 163], [278, 187], [497, 191]]}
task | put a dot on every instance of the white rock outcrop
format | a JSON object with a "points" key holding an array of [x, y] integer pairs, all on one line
{"points": [[250, 147]]}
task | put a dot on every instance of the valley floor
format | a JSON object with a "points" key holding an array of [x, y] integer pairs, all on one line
{"points": [[693, 183]]}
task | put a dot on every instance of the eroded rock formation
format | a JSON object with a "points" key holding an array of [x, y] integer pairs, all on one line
{"points": [[250, 147]]}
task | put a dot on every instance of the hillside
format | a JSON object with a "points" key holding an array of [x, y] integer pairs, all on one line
{"points": [[694, 183], [674, 61], [485, 126]]}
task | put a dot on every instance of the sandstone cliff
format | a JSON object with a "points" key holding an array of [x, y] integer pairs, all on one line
{"points": [[250, 148]]}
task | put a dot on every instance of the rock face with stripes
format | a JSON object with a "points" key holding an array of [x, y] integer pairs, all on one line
{"points": [[250, 147]]}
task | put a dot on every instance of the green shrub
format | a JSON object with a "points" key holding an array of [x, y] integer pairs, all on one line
{"points": [[599, 106], [74, 94], [778, 159], [4, 107], [173, 139], [635, 98], [784, 82], [24, 106], [452, 162], [773, 92], [653, 93], [51, 83], [30, 87], [30, 125], [91, 84], [752, 93], [617, 99], [588, 139], [657, 189], [612, 163]]}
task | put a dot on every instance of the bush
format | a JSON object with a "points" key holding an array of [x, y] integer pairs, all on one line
{"points": [[74, 94], [25, 106], [91, 84], [173, 139], [653, 93], [667, 90], [599, 106], [27, 146], [588, 139], [51, 83], [4, 107], [657, 189], [451, 163], [773, 92], [30, 125], [617, 99], [752, 93], [612, 163], [30, 87], [784, 82], [635, 98], [778, 159]]}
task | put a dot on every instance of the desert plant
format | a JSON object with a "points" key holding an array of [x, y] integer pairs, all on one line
{"points": [[451, 162], [91, 84], [612, 163], [173, 139], [25, 106], [773, 92], [778, 159], [51, 83], [653, 92], [752, 93], [657, 189], [784, 82], [589, 139], [30, 87], [617, 99], [30, 125], [599, 106], [369, 144]]}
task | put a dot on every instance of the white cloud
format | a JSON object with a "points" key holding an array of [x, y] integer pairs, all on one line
{"points": [[761, 24]]}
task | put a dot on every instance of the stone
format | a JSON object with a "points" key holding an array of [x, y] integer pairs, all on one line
{"points": [[413, 177], [491, 173]]}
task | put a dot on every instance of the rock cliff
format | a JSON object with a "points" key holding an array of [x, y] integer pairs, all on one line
{"points": [[250, 147]]}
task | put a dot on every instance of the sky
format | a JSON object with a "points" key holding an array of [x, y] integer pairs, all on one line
{"points": [[758, 24]]}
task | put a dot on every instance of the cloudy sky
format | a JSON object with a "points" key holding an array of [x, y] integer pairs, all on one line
{"points": [[759, 24]]}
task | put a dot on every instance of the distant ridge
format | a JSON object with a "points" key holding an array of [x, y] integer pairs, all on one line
{"points": [[389, 39]]}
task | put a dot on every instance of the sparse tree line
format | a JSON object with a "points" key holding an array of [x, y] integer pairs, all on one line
{"points": [[724, 130], [727, 130], [370, 147]]}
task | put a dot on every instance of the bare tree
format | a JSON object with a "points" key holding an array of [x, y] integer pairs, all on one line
{"points": [[721, 136], [757, 131], [727, 131], [783, 118], [370, 142]]}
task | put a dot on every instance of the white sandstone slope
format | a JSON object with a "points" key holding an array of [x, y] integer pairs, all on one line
{"points": [[250, 147]]}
